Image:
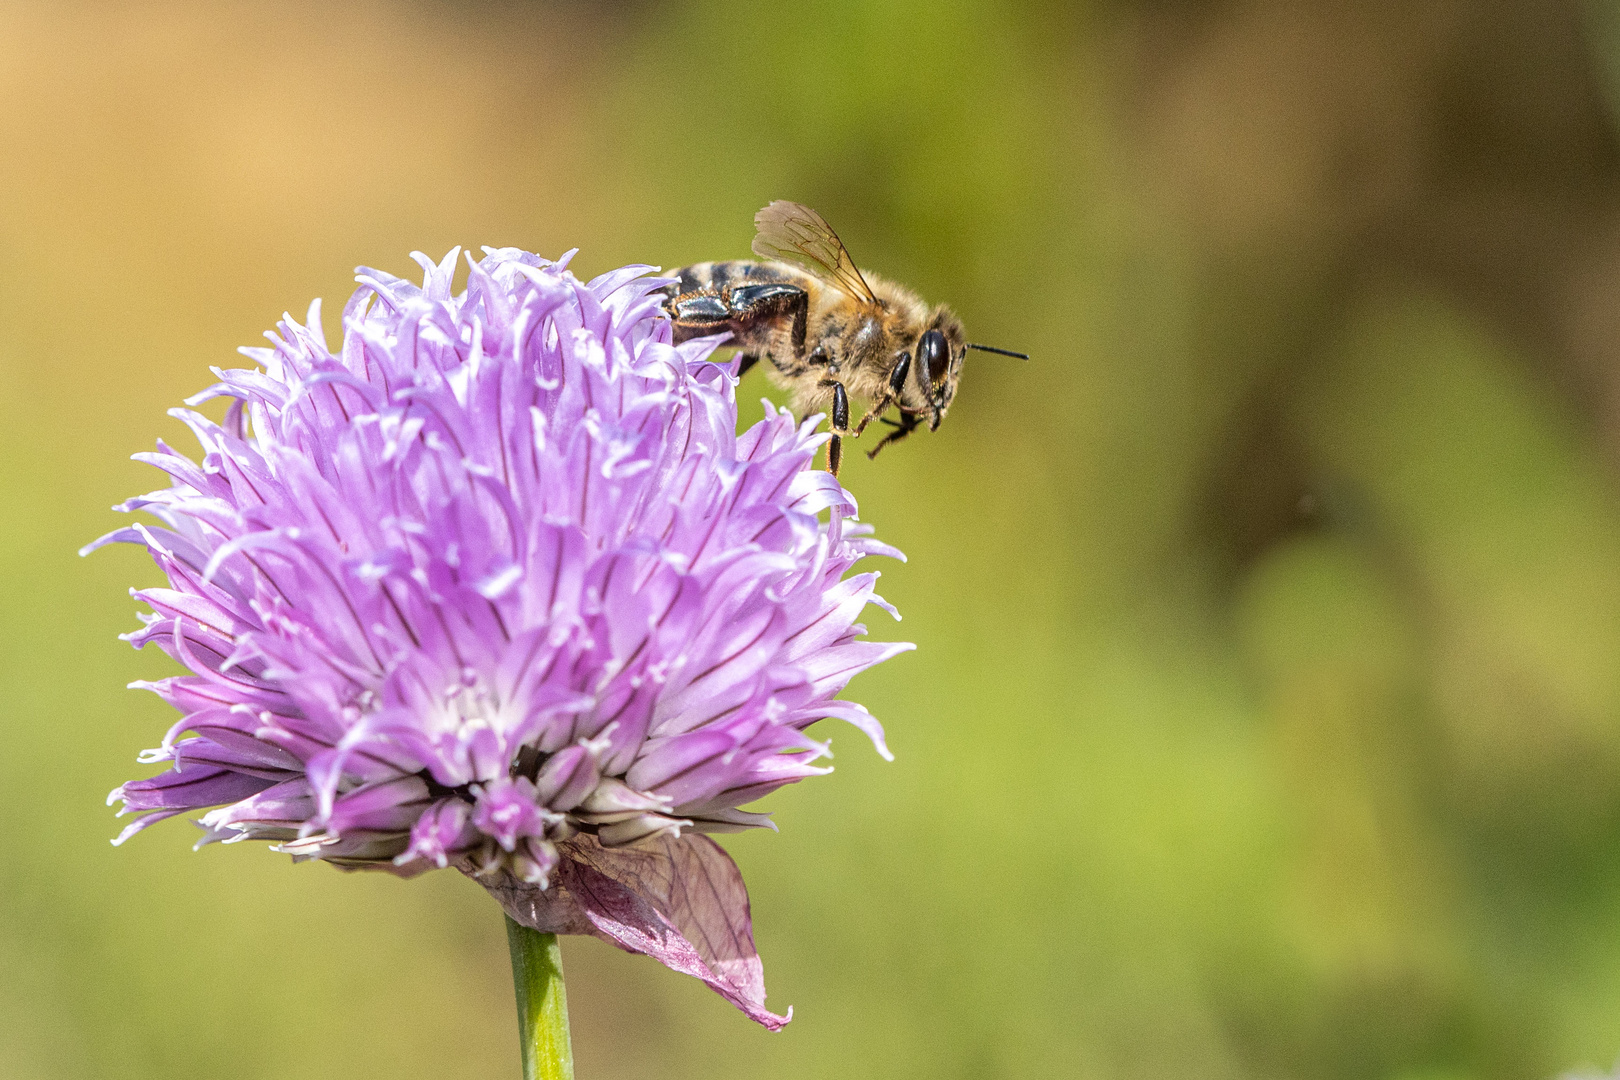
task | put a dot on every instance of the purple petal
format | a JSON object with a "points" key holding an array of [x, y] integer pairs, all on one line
{"points": [[390, 806], [507, 810], [189, 787], [444, 831], [567, 778]]}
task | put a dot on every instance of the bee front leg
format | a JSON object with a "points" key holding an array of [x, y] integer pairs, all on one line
{"points": [[840, 424], [908, 423], [897, 382]]}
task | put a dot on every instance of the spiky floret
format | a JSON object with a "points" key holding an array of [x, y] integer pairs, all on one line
{"points": [[497, 586]]}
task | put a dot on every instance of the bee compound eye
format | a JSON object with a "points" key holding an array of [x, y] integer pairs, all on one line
{"points": [[934, 356]]}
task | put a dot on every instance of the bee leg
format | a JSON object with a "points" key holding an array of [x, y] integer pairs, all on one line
{"points": [[897, 382], [906, 426], [698, 314], [752, 313], [746, 361], [772, 302], [840, 424], [876, 411], [758, 312], [840, 405]]}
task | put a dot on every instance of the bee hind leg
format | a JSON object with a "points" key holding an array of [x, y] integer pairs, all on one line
{"points": [[772, 304], [755, 315], [698, 314]]}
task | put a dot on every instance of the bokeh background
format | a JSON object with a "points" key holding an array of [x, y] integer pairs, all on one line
{"points": [[1266, 716]]}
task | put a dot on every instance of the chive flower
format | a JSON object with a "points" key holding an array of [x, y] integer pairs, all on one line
{"points": [[496, 586]]}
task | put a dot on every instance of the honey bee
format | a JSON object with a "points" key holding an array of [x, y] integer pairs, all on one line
{"points": [[829, 331]]}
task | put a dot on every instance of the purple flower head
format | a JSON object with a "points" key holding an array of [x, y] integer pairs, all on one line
{"points": [[497, 586]]}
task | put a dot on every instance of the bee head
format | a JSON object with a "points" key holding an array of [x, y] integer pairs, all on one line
{"points": [[937, 367]]}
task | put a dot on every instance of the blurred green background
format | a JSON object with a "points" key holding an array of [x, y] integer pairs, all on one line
{"points": [[1266, 716]]}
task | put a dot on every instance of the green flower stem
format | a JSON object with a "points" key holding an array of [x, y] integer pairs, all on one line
{"points": [[542, 1003]]}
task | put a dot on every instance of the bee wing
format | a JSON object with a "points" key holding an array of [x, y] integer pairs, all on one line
{"points": [[793, 233]]}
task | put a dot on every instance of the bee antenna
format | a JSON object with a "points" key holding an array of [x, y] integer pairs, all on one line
{"points": [[1003, 352]]}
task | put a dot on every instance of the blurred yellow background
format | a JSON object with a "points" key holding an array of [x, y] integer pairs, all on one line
{"points": [[1266, 716]]}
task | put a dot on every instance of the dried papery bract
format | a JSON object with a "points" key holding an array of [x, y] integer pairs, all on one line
{"points": [[496, 586]]}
